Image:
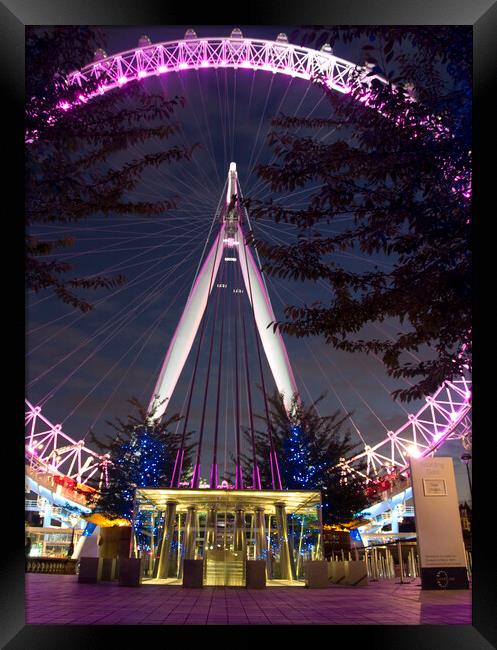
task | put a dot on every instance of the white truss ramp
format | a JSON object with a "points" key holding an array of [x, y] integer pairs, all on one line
{"points": [[445, 415], [229, 241], [49, 450]]}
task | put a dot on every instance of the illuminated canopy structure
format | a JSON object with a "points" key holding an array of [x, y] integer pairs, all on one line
{"points": [[226, 527]]}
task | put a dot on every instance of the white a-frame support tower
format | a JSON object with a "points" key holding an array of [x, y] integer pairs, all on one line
{"points": [[230, 236]]}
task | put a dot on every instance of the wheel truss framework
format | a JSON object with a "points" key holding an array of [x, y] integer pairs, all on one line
{"points": [[444, 416], [49, 450], [234, 52]]}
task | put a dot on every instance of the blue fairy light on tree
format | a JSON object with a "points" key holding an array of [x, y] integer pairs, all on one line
{"points": [[141, 455]]}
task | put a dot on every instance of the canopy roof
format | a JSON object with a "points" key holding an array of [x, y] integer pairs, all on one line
{"points": [[295, 501]]}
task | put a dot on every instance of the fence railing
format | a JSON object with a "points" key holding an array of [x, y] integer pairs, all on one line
{"points": [[66, 566], [391, 560]]}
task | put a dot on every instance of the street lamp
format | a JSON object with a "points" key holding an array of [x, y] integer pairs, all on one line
{"points": [[466, 457]]}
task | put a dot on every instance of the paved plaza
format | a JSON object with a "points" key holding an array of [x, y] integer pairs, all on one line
{"points": [[59, 599]]}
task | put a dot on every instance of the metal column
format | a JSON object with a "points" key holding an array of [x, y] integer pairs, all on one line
{"points": [[167, 538], [190, 533], [239, 533], [261, 552], [210, 528], [286, 560]]}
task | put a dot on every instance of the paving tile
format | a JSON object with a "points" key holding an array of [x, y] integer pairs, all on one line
{"points": [[61, 600]]}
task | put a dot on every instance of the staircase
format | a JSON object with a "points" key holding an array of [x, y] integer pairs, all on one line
{"points": [[224, 568]]}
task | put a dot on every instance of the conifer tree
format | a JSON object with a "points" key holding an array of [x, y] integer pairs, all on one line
{"points": [[141, 454], [309, 447]]}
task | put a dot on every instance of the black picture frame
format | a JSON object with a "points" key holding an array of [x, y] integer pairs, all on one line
{"points": [[14, 16]]}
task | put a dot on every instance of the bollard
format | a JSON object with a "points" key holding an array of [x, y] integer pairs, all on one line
{"points": [[413, 563], [468, 562], [401, 565], [380, 565]]}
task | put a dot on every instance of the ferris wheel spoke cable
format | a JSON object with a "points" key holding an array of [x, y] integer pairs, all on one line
{"points": [[214, 467], [119, 267], [200, 131], [320, 367], [196, 473], [234, 119], [326, 377], [124, 322], [209, 185], [256, 481], [176, 478], [121, 221], [265, 185], [194, 180], [275, 156], [384, 331], [291, 196], [125, 313], [206, 120], [214, 219], [111, 294], [251, 94], [146, 336], [259, 127], [273, 460], [157, 181], [106, 248], [195, 192], [236, 314], [80, 316], [365, 402], [223, 122], [263, 144]]}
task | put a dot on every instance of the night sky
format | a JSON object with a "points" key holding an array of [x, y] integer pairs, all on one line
{"points": [[83, 367]]}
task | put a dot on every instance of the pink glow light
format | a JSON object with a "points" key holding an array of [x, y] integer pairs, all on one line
{"points": [[183, 66], [413, 451], [205, 63], [122, 80], [246, 64], [142, 74], [65, 106], [162, 69]]}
